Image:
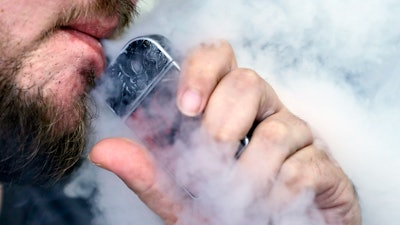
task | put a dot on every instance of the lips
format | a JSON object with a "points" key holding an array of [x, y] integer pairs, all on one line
{"points": [[90, 32]]}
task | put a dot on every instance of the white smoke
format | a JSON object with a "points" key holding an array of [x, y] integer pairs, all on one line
{"points": [[333, 63]]}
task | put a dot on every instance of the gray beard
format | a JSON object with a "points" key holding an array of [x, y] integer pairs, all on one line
{"points": [[34, 148]]}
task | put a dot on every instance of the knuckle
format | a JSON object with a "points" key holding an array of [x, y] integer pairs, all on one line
{"points": [[223, 137], [246, 78], [303, 125], [290, 174], [299, 121], [220, 133], [227, 48], [274, 132]]}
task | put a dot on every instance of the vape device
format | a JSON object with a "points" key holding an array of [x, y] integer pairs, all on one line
{"points": [[140, 87]]}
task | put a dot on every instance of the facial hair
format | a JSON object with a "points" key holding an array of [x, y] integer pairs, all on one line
{"points": [[37, 143], [33, 148]]}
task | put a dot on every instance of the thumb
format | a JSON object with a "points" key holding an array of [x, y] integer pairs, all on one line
{"points": [[128, 160], [136, 167]]}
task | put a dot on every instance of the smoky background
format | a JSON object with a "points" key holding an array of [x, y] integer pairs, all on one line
{"points": [[333, 63]]}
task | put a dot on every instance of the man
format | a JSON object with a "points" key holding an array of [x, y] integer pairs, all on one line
{"points": [[49, 56]]}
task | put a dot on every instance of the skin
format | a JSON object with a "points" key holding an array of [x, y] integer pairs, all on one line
{"points": [[282, 147], [55, 57], [47, 65]]}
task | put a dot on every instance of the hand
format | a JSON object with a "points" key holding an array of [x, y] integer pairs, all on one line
{"points": [[282, 154]]}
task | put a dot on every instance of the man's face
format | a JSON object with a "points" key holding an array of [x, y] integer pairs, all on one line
{"points": [[49, 55]]}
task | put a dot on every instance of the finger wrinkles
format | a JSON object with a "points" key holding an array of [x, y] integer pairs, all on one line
{"points": [[274, 133], [274, 140], [269, 146], [297, 177], [295, 174], [298, 133], [312, 169], [284, 132]]}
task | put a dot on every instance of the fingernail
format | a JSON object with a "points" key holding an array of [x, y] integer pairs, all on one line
{"points": [[190, 102]]}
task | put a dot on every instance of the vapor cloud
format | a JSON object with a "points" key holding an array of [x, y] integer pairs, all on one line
{"points": [[333, 63]]}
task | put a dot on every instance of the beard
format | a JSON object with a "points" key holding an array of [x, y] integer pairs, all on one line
{"points": [[37, 146], [41, 141]]}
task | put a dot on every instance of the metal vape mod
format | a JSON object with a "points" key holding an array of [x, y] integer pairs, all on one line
{"points": [[140, 87]]}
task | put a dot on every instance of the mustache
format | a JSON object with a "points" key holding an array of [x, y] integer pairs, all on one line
{"points": [[124, 10]]}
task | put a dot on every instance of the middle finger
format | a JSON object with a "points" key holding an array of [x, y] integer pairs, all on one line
{"points": [[274, 140]]}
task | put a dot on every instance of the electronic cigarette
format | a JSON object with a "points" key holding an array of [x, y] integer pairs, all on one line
{"points": [[140, 87]]}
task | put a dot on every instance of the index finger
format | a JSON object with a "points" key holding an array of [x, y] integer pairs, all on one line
{"points": [[241, 99], [201, 71]]}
